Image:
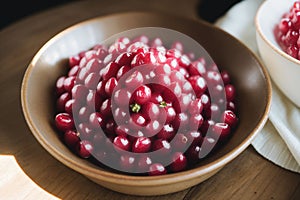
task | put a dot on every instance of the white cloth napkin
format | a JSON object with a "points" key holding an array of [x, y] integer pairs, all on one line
{"points": [[279, 140]]}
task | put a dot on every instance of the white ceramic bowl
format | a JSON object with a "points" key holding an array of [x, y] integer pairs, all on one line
{"points": [[284, 69]]}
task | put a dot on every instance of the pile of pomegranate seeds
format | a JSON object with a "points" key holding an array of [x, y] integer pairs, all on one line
{"points": [[287, 31], [142, 108]]}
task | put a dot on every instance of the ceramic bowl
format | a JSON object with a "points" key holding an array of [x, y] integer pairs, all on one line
{"points": [[247, 73], [283, 69]]}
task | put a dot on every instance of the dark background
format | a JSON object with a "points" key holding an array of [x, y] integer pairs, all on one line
{"points": [[12, 11]]}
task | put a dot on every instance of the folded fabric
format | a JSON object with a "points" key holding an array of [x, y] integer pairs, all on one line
{"points": [[279, 141]]}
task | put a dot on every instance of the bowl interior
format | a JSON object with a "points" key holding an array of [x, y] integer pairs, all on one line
{"points": [[249, 77]]}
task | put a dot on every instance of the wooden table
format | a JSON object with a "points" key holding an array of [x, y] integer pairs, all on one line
{"points": [[27, 171]]}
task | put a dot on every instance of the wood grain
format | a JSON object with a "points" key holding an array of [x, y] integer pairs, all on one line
{"points": [[27, 171]]}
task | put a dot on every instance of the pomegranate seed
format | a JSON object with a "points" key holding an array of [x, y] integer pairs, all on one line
{"points": [[121, 142], [124, 59], [142, 94], [163, 69], [177, 45], [156, 98], [109, 71], [138, 59], [230, 118], [85, 131], [71, 138], [205, 100], [157, 169], [122, 130], [173, 63], [196, 106], [144, 163], [79, 92], [196, 121], [179, 162], [61, 101], [163, 146], [82, 74], [137, 120], [208, 145], [98, 140], [134, 80], [151, 111], [83, 114], [110, 86], [96, 120], [127, 162], [152, 128], [213, 77], [180, 142], [160, 57], [120, 115], [293, 51], [141, 145], [173, 90], [105, 108], [93, 100], [110, 127], [166, 133], [181, 120], [192, 154], [134, 47], [64, 122], [296, 20], [123, 70], [196, 68], [199, 85], [101, 54], [91, 81], [284, 25], [173, 53], [84, 148], [60, 85], [101, 88], [221, 131], [195, 137], [231, 106], [74, 60], [69, 106], [69, 83], [121, 97], [156, 42], [183, 104], [184, 61], [170, 114], [225, 77], [161, 82], [94, 66], [144, 39], [206, 125], [230, 92], [187, 87], [291, 37], [74, 71]]}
